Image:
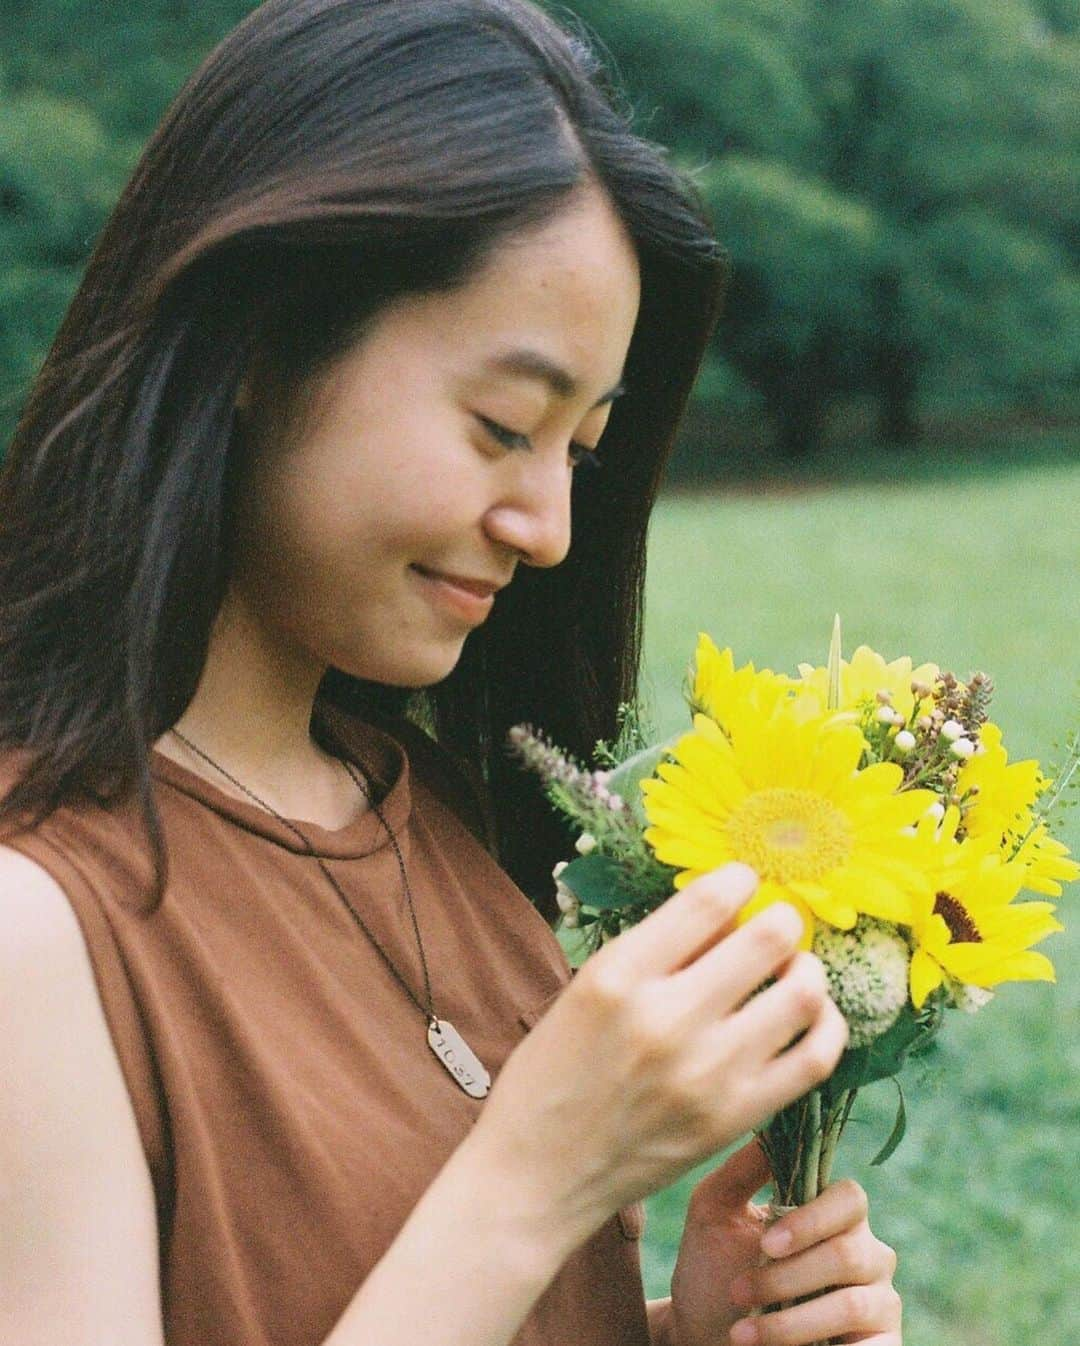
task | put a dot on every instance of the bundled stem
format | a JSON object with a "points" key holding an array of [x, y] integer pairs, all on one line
{"points": [[808, 1186], [800, 1143]]}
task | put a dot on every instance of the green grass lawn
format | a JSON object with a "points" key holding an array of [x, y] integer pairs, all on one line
{"points": [[981, 1200]]}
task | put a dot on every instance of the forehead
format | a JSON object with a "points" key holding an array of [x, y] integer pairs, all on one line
{"points": [[568, 289], [581, 263]]}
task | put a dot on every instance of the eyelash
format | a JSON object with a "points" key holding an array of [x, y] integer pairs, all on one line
{"points": [[580, 454]]}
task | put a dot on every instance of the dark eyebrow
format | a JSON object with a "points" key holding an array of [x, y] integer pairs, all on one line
{"points": [[531, 364]]}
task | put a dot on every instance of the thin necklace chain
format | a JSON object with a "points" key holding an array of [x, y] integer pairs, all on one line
{"points": [[428, 1011]]}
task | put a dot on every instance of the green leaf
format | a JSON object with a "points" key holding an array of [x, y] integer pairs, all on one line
{"points": [[850, 1073], [885, 1056], [835, 656], [626, 779], [888, 1052], [599, 882], [897, 1133]]}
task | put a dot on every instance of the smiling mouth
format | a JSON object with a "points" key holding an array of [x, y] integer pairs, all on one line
{"points": [[470, 600], [480, 587]]}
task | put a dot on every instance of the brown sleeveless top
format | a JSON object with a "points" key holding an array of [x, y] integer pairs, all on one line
{"points": [[290, 1109]]}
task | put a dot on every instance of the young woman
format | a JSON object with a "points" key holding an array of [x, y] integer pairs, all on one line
{"points": [[303, 513]]}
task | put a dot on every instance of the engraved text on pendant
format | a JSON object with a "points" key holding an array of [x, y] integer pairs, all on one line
{"points": [[458, 1058]]}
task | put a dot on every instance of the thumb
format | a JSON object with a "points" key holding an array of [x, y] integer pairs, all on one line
{"points": [[727, 1189]]}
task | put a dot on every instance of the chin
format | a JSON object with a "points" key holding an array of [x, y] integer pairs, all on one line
{"points": [[414, 668]]}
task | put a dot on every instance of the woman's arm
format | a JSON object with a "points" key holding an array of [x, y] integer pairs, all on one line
{"points": [[469, 1263], [659, 1311], [78, 1228], [648, 1062]]}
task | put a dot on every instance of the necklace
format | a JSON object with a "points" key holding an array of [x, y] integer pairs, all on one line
{"points": [[455, 1054]]}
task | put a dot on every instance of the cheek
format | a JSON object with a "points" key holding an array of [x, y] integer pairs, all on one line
{"points": [[349, 511]]}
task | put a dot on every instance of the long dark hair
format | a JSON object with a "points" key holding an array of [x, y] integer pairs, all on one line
{"points": [[328, 157]]}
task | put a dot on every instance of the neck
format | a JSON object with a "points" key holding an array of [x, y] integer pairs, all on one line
{"points": [[251, 714]]}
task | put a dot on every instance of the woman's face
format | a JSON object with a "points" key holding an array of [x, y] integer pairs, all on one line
{"points": [[381, 514]]}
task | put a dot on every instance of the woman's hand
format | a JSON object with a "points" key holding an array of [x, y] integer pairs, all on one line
{"points": [[824, 1249], [658, 1055]]}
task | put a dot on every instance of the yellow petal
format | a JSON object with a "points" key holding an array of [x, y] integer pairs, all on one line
{"points": [[963, 963], [925, 977], [769, 893]]}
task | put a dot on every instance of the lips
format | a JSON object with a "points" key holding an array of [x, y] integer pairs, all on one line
{"points": [[464, 598], [481, 588]]}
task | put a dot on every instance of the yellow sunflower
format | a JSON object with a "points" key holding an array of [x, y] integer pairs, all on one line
{"points": [[1001, 810], [722, 691], [866, 675], [968, 929], [784, 795], [1004, 792], [1046, 862]]}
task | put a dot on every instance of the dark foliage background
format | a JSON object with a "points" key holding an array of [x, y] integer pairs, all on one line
{"points": [[896, 183]]}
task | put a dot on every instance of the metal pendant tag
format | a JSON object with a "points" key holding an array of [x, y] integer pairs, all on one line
{"points": [[458, 1058]]}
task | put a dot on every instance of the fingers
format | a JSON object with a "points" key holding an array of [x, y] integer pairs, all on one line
{"points": [[877, 1339], [775, 1016], [684, 926], [826, 1245], [855, 1257], [737, 965], [840, 1207], [729, 1187], [806, 1064], [862, 1313]]}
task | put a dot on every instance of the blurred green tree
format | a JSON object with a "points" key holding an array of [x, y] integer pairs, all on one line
{"points": [[81, 88], [896, 184], [57, 178]]}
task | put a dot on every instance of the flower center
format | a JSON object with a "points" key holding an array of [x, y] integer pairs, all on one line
{"points": [[789, 834], [962, 929]]}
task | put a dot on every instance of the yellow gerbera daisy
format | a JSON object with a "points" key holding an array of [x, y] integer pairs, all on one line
{"points": [[969, 929], [866, 675], [722, 691], [784, 795]]}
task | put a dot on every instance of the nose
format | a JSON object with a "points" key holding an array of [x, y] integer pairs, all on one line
{"points": [[532, 515]]}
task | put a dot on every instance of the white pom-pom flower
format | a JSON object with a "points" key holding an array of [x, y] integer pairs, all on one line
{"points": [[567, 902], [867, 970], [970, 999]]}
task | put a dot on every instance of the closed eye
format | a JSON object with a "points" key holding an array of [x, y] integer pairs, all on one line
{"points": [[580, 454], [509, 439]]}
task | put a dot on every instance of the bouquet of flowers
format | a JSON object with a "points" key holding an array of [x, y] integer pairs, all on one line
{"points": [[876, 798]]}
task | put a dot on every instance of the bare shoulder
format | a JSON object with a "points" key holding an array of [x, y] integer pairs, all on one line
{"points": [[33, 909], [78, 1237]]}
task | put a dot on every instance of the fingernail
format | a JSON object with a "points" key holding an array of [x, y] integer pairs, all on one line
{"points": [[742, 876], [744, 1333], [776, 1242], [792, 918]]}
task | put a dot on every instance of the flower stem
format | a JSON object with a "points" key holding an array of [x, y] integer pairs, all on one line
{"points": [[801, 1144], [813, 1150], [834, 1129]]}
